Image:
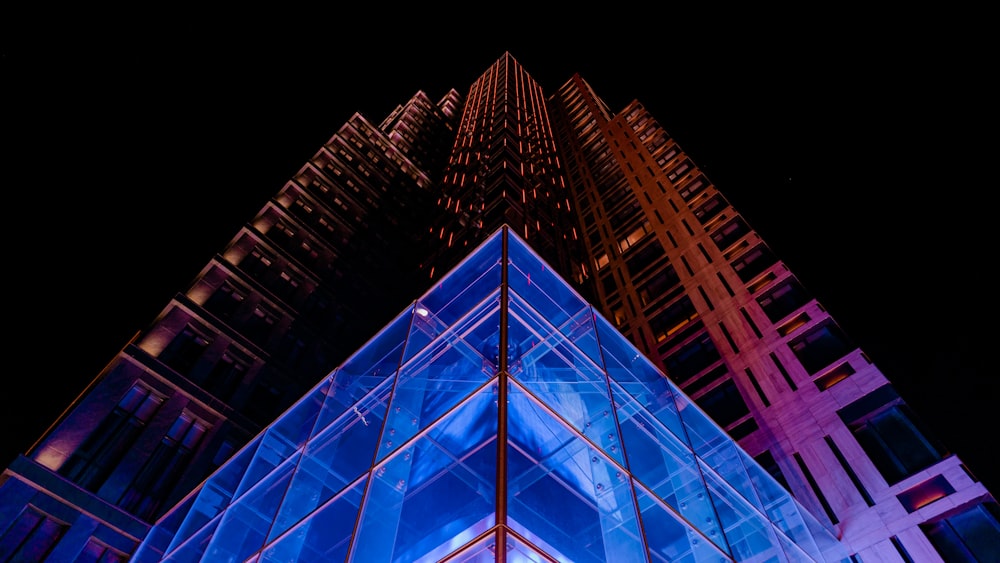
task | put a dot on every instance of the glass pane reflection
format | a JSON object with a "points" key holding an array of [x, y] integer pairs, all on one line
{"points": [[438, 492], [563, 494]]}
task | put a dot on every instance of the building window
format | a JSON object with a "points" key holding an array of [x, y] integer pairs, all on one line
{"points": [[184, 350], [925, 492], [710, 209], [691, 359], [724, 404], [31, 536], [98, 552], [820, 347], [92, 463], [706, 379], [634, 237], [164, 467], [729, 233], [834, 376], [786, 297], [259, 326], [286, 286], [609, 285], [673, 318], [225, 301], [667, 156], [679, 170], [753, 262], [895, 443], [659, 285], [901, 550], [256, 263], [693, 188], [601, 261], [815, 488], [889, 433], [226, 376], [967, 533], [766, 460], [851, 474], [644, 257]]}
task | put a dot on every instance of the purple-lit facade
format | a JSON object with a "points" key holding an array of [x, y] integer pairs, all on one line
{"points": [[381, 212]]}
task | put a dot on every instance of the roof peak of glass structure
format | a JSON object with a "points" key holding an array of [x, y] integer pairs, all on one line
{"points": [[499, 409]]}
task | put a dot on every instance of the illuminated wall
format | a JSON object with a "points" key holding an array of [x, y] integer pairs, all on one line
{"points": [[498, 409]]}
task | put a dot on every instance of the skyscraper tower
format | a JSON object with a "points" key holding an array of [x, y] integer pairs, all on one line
{"points": [[381, 212], [688, 280], [504, 168]]}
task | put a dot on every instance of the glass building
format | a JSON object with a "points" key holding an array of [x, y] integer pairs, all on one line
{"points": [[499, 409]]}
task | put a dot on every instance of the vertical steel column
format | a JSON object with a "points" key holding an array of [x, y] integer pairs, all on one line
{"points": [[501, 499]]}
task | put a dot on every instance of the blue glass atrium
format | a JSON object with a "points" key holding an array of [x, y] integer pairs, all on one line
{"points": [[498, 410]]}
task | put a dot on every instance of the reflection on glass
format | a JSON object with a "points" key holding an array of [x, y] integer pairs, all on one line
{"points": [[564, 495], [562, 377], [669, 537], [436, 493], [325, 536], [337, 456], [251, 516], [441, 376]]}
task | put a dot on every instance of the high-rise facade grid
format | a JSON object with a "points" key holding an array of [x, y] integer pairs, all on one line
{"points": [[382, 212]]}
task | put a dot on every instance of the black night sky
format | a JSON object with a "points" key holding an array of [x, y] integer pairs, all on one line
{"points": [[133, 154]]}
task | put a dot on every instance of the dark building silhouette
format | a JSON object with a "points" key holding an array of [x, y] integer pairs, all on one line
{"points": [[381, 212]]}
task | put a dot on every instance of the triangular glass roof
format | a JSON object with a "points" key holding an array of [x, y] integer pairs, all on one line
{"points": [[499, 409]]}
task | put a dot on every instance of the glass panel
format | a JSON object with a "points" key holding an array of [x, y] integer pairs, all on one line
{"points": [[727, 459], [436, 493], [164, 532], [749, 535], [793, 553], [217, 492], [564, 495], [483, 551], [425, 328], [468, 284], [670, 539], [562, 377], [245, 524], [531, 278], [336, 457], [295, 426], [786, 514], [638, 379], [269, 454], [194, 548], [979, 530], [324, 536], [368, 367], [520, 552], [704, 434], [907, 443], [667, 467], [443, 374]]}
